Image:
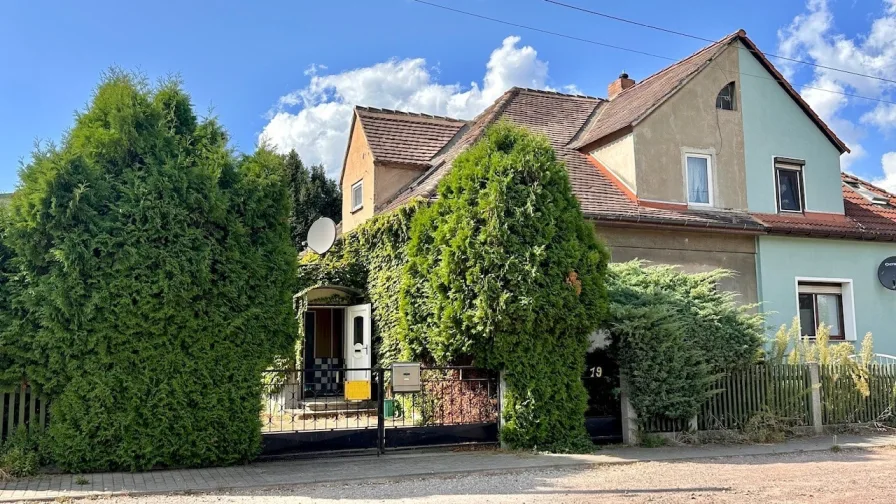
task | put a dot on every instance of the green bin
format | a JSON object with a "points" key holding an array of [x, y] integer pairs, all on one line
{"points": [[388, 408]]}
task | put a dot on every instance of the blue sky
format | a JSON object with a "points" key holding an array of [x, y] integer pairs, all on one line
{"points": [[291, 70]]}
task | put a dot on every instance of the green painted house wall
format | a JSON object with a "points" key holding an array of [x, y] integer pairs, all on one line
{"points": [[781, 260], [774, 125]]}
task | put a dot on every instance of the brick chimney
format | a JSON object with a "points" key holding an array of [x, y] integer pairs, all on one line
{"points": [[619, 85]]}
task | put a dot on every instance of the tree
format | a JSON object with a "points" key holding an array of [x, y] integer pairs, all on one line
{"points": [[504, 270], [312, 195], [159, 270]]}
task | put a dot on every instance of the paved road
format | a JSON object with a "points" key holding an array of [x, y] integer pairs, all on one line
{"points": [[850, 476]]}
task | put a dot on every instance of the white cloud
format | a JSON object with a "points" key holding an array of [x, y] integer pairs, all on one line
{"points": [[888, 162], [883, 116], [811, 36], [318, 130]]}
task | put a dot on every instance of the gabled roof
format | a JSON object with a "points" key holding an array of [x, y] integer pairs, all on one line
{"points": [[632, 105], [863, 219], [403, 137], [560, 117]]}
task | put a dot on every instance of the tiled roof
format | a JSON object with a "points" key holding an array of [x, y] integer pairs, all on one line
{"points": [[633, 104], [629, 106], [405, 138], [559, 117], [863, 219]]}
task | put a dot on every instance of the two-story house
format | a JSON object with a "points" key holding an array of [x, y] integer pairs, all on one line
{"points": [[713, 162]]}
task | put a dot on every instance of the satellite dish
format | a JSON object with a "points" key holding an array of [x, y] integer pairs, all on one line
{"points": [[321, 235], [886, 273]]}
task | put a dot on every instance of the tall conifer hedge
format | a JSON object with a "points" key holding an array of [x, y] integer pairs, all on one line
{"points": [[504, 270], [159, 271]]}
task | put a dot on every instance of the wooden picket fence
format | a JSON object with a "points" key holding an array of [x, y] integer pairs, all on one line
{"points": [[785, 391], [842, 403], [21, 407]]}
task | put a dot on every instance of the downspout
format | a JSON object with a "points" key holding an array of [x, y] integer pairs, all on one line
{"points": [[758, 257]]}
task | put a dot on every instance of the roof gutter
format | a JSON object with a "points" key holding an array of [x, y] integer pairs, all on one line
{"points": [[660, 223]]}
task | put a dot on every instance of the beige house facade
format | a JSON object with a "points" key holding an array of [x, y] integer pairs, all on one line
{"points": [[658, 167]]}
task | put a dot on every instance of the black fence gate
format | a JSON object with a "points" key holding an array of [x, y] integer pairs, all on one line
{"points": [[305, 410]]}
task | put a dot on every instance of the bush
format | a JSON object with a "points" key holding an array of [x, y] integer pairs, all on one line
{"points": [[19, 455], [674, 333], [504, 271], [159, 271]]}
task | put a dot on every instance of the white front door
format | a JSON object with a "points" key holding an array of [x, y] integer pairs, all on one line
{"points": [[357, 342]]}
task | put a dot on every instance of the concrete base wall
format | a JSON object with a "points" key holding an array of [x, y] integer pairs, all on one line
{"points": [[692, 252]]}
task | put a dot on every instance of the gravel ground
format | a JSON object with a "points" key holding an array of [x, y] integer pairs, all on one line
{"points": [[854, 476]]}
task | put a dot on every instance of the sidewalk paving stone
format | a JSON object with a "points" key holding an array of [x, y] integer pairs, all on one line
{"points": [[387, 467]]}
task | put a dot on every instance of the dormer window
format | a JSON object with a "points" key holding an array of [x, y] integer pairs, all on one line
{"points": [[725, 98]]}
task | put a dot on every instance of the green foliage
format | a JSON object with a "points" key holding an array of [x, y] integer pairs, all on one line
{"points": [[372, 258], [20, 454], [674, 333], [14, 358], [651, 440], [159, 273], [312, 195], [504, 270]]}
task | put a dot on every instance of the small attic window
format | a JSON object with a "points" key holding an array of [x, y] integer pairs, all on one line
{"points": [[725, 99], [869, 195]]}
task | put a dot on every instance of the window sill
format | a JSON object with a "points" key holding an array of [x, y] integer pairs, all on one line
{"points": [[700, 206], [356, 209]]}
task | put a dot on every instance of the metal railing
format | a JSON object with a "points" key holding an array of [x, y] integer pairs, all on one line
{"points": [[455, 395], [296, 400]]}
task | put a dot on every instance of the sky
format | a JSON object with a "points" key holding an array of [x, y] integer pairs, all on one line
{"points": [[289, 72]]}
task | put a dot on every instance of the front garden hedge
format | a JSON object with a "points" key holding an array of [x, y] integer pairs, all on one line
{"points": [[159, 271], [504, 271]]}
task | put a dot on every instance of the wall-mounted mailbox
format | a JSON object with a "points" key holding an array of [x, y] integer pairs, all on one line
{"points": [[406, 377]]}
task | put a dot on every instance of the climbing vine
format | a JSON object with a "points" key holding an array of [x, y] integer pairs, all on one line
{"points": [[371, 258]]}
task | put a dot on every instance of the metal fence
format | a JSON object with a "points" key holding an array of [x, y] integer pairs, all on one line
{"points": [[21, 407], [314, 399]]}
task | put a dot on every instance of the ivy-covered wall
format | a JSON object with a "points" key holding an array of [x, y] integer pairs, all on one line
{"points": [[371, 258]]}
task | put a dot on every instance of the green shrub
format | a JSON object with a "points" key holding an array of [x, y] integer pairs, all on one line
{"points": [[20, 454], [159, 270], [504, 271], [674, 333], [372, 258]]}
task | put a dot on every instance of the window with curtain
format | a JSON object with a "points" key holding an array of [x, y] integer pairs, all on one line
{"points": [[699, 172]]}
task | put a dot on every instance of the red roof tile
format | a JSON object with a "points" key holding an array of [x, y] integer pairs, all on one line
{"points": [[863, 219]]}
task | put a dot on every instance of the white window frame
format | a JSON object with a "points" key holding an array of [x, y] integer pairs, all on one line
{"points": [[846, 296], [360, 204], [783, 165], [709, 178]]}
